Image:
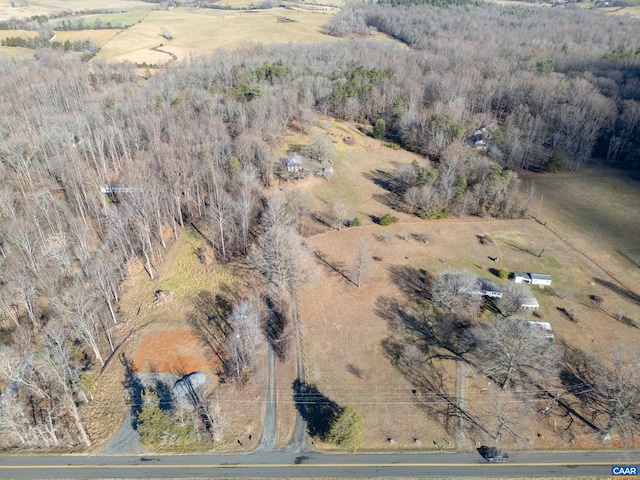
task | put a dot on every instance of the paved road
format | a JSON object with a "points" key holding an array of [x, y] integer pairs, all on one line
{"points": [[291, 465]]}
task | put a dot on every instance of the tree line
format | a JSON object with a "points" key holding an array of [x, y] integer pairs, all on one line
{"points": [[551, 85]]}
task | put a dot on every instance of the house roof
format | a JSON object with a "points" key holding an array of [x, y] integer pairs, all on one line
{"points": [[520, 274], [486, 284], [540, 276], [545, 326], [530, 302], [294, 159]]}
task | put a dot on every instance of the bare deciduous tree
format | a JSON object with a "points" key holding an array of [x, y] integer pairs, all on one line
{"points": [[243, 342], [513, 350], [362, 268], [513, 296], [456, 291], [617, 387]]}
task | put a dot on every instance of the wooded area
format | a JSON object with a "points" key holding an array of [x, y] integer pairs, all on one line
{"points": [[196, 142]]}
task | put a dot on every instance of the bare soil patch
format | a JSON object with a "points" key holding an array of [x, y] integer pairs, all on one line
{"points": [[173, 351], [156, 337]]}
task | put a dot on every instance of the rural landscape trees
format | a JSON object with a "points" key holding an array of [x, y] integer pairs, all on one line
{"points": [[102, 169]]}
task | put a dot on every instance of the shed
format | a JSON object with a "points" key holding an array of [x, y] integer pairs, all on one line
{"points": [[530, 304], [519, 277], [294, 163], [540, 279], [545, 327]]}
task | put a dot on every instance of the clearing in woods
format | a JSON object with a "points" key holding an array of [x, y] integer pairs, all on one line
{"points": [[345, 327], [156, 335]]}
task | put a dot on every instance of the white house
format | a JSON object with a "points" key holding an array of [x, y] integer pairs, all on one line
{"points": [[540, 279], [532, 278], [294, 163], [519, 277], [530, 304], [487, 288]]}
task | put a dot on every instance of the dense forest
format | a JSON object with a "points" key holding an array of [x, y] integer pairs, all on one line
{"points": [[540, 88]]}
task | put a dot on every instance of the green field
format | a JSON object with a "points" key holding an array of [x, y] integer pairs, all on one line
{"points": [[49, 7], [122, 19]]}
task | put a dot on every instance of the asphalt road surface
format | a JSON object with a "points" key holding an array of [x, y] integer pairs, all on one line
{"points": [[294, 465]]}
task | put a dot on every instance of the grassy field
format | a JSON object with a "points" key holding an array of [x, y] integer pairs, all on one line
{"points": [[193, 30], [47, 7], [585, 224], [116, 19], [203, 31]]}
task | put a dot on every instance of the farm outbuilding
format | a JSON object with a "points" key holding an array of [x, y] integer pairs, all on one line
{"points": [[545, 327], [540, 279], [519, 277], [294, 163], [530, 304]]}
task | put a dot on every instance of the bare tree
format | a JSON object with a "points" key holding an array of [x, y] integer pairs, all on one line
{"points": [[511, 349], [362, 268], [221, 212], [80, 307], [243, 342], [617, 389], [339, 213], [456, 291], [513, 297], [58, 364]]}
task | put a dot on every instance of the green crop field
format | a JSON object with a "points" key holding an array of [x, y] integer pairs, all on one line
{"points": [[124, 19]]}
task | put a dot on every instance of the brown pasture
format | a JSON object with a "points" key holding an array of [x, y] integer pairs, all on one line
{"points": [[587, 215], [205, 30]]}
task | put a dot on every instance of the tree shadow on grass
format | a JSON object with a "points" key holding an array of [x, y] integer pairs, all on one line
{"points": [[315, 408], [623, 292], [278, 328], [209, 319], [134, 387], [414, 282], [578, 374], [436, 334], [333, 265], [431, 392]]}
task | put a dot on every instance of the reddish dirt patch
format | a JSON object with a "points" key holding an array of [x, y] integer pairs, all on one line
{"points": [[173, 351]]}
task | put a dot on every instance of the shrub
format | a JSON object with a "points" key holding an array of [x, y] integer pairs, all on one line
{"points": [[503, 273], [387, 220], [557, 162], [438, 214], [356, 222], [379, 128]]}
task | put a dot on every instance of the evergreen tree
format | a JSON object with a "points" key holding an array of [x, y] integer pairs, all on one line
{"points": [[347, 429]]}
